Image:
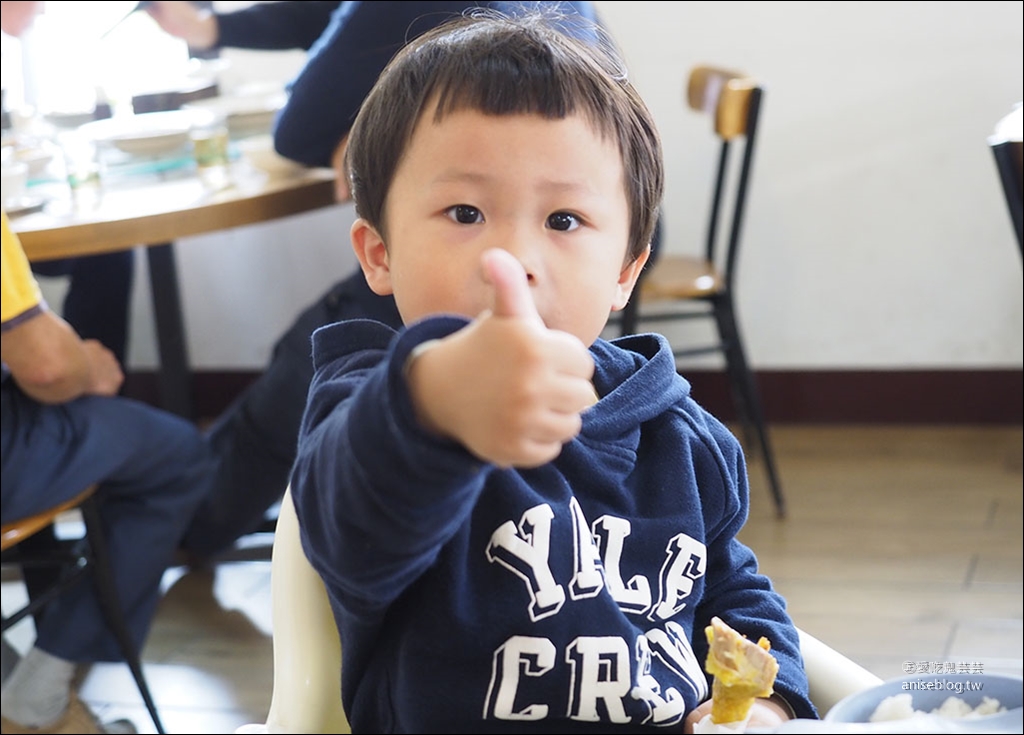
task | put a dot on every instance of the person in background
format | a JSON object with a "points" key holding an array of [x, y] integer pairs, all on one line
{"points": [[520, 526], [63, 429], [344, 63], [275, 26], [98, 299], [255, 438]]}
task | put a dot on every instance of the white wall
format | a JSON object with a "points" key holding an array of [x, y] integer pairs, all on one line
{"points": [[876, 233]]}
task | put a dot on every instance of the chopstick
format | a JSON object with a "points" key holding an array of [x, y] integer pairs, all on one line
{"points": [[142, 5]]}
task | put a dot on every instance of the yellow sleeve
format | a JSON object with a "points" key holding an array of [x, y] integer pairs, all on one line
{"points": [[21, 297]]}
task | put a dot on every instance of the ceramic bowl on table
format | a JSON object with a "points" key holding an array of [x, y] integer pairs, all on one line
{"points": [[148, 135], [35, 153], [69, 119], [14, 178], [927, 693], [37, 159], [245, 115], [14, 192]]}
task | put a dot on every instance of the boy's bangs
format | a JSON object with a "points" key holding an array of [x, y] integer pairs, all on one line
{"points": [[517, 75]]}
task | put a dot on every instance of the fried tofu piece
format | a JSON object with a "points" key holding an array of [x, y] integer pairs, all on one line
{"points": [[743, 671]]}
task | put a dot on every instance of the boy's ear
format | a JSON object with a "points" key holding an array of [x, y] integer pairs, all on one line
{"points": [[627, 279], [373, 256]]}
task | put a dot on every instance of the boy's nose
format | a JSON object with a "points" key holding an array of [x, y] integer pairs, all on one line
{"points": [[524, 247]]}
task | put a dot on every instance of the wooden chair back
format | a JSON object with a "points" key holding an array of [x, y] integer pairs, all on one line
{"points": [[732, 100], [691, 286], [1008, 150]]}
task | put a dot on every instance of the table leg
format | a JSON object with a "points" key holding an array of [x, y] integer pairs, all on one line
{"points": [[175, 374]]}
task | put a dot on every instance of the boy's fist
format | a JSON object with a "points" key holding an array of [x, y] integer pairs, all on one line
{"points": [[507, 387]]}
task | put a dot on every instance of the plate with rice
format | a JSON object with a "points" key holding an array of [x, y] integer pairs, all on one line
{"points": [[977, 702]]}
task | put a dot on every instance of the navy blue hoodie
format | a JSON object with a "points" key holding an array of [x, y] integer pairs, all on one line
{"points": [[570, 597]]}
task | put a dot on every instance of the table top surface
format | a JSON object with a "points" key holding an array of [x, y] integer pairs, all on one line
{"points": [[157, 209]]}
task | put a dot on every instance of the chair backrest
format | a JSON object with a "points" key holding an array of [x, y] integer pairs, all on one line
{"points": [[831, 676], [732, 100], [307, 651], [1008, 149]]}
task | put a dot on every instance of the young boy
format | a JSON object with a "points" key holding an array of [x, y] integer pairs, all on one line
{"points": [[521, 526]]}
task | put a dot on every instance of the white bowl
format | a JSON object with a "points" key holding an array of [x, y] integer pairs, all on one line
{"points": [[929, 691], [149, 135], [245, 115], [37, 160], [14, 181], [69, 119], [150, 144]]}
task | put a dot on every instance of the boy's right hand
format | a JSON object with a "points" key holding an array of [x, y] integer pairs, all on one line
{"points": [[507, 387]]}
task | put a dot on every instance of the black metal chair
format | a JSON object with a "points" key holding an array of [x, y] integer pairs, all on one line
{"points": [[1008, 150], [676, 287], [68, 560]]}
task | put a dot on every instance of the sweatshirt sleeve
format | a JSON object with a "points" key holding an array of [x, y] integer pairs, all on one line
{"points": [[275, 26], [737, 592], [342, 68], [377, 495]]}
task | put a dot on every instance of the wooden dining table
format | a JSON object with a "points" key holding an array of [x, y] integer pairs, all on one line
{"points": [[154, 211]]}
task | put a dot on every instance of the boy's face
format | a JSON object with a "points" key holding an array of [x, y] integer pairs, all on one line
{"points": [[551, 192]]}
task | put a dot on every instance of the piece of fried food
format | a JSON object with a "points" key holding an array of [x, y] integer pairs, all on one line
{"points": [[743, 671]]}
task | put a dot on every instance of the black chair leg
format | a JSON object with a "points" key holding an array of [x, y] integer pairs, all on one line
{"points": [[745, 388], [735, 370], [110, 602], [39, 579]]}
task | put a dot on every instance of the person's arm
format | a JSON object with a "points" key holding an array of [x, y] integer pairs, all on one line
{"points": [[275, 26], [264, 26], [736, 591], [181, 19], [344, 64], [341, 70], [384, 476], [43, 354], [52, 364]]}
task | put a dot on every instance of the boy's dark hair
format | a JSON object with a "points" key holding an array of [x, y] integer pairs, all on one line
{"points": [[501, 65]]}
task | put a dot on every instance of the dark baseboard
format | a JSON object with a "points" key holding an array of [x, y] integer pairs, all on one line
{"points": [[875, 396], [789, 396]]}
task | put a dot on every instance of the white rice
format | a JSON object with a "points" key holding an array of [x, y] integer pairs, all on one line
{"points": [[901, 707]]}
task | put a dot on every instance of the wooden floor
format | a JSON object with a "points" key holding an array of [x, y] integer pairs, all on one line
{"points": [[902, 547]]}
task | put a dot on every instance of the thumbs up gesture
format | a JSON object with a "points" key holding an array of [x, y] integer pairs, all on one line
{"points": [[507, 387]]}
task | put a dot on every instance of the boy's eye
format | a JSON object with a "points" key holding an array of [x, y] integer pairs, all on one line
{"points": [[563, 221], [464, 214]]}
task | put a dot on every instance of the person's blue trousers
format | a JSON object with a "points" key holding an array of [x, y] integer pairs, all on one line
{"points": [[256, 438], [153, 469]]}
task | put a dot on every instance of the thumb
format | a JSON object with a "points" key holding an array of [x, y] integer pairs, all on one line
{"points": [[506, 275]]}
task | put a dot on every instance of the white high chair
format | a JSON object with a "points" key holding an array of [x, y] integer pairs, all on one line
{"points": [[307, 650]]}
